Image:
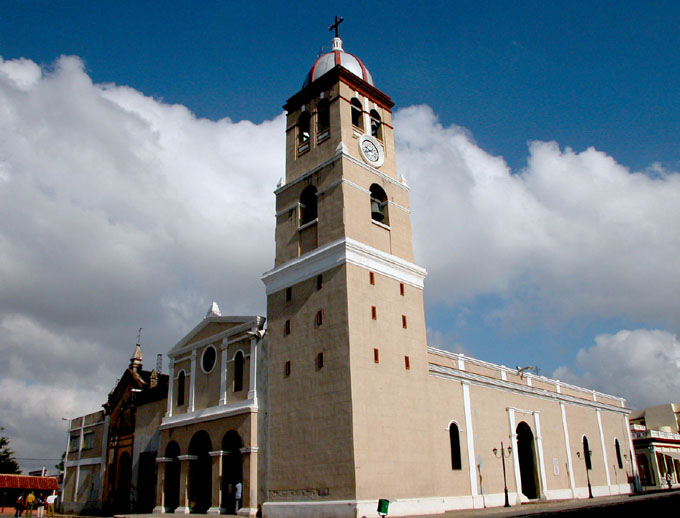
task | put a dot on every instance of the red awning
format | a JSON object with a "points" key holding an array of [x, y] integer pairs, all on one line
{"points": [[28, 482]]}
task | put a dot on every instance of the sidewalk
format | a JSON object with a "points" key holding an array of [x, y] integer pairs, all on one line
{"points": [[659, 498]]}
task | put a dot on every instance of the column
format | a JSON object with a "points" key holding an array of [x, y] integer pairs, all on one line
{"points": [[171, 388], [216, 497], [637, 486], [515, 455], [249, 496], [223, 373], [192, 395], [570, 465], [604, 451], [539, 449], [160, 486], [252, 391], [470, 440], [184, 483]]}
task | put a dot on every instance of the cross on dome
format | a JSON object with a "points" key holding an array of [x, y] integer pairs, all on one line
{"points": [[335, 25]]}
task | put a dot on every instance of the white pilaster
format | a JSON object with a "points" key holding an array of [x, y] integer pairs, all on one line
{"points": [[192, 395], [470, 440], [567, 446], [604, 450], [223, 373], [171, 388], [515, 456], [252, 391], [633, 460], [539, 448]]}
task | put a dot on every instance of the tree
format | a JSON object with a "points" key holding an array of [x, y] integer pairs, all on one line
{"points": [[60, 466], [7, 462]]}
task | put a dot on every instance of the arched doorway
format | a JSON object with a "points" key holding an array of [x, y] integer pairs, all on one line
{"points": [[172, 472], [200, 473], [121, 502], [526, 454], [232, 469]]}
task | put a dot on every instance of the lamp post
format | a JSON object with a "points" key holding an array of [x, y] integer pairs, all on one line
{"points": [[586, 458], [501, 454]]}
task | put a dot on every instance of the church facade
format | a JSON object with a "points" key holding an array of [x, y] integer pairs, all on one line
{"points": [[340, 402]]}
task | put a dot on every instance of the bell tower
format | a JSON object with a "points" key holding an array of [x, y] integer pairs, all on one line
{"points": [[346, 318]]}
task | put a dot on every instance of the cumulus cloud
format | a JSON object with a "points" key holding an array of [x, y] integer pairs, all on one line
{"points": [[574, 234], [119, 211], [641, 365]]}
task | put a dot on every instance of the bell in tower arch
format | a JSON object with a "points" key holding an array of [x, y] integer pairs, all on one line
{"points": [[376, 213]]}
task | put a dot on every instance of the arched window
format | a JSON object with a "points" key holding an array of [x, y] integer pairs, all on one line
{"points": [[308, 205], [586, 453], [618, 453], [379, 211], [180, 388], [303, 131], [357, 114], [376, 125], [323, 121], [238, 371], [454, 439]]}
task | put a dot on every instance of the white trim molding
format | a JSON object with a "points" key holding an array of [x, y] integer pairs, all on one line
{"points": [[337, 253]]}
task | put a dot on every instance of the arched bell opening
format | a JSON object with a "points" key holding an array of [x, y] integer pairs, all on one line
{"points": [[526, 453], [172, 473], [323, 119], [308, 209], [200, 473], [357, 114], [376, 125], [379, 205], [232, 469]]}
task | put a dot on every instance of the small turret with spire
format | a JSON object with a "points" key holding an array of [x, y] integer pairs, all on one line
{"points": [[136, 360]]}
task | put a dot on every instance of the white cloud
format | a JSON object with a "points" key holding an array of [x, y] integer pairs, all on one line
{"points": [[641, 365], [119, 212], [572, 235]]}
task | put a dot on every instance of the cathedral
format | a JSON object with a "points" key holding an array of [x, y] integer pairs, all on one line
{"points": [[339, 402]]}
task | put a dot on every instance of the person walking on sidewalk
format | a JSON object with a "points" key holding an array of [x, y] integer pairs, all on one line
{"points": [[51, 500]]}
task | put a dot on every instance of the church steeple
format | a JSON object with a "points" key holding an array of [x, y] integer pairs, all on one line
{"points": [[344, 295], [136, 360]]}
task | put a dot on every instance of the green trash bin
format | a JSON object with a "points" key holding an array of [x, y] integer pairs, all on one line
{"points": [[383, 504]]}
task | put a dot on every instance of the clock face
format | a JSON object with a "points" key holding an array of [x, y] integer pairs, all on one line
{"points": [[371, 150]]}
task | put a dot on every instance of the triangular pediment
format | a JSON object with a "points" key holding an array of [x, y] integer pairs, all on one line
{"points": [[214, 327]]}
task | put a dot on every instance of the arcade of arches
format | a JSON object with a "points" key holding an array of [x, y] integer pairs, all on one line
{"points": [[185, 480]]}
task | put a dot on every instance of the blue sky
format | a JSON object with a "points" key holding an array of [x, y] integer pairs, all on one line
{"points": [[539, 139], [601, 74]]}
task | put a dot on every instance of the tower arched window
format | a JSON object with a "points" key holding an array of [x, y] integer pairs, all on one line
{"points": [[379, 204], [454, 439], [357, 113], [180, 388], [239, 361], [376, 125], [308, 205], [323, 120], [303, 131]]}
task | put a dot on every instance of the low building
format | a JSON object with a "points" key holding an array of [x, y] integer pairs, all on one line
{"points": [[110, 464], [656, 439]]}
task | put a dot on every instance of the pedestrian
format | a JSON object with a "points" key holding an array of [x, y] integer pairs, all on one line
{"points": [[51, 500], [669, 479], [40, 506], [238, 493], [30, 503], [19, 506]]}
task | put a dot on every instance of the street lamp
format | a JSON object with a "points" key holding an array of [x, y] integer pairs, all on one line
{"points": [[586, 458], [501, 455]]}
